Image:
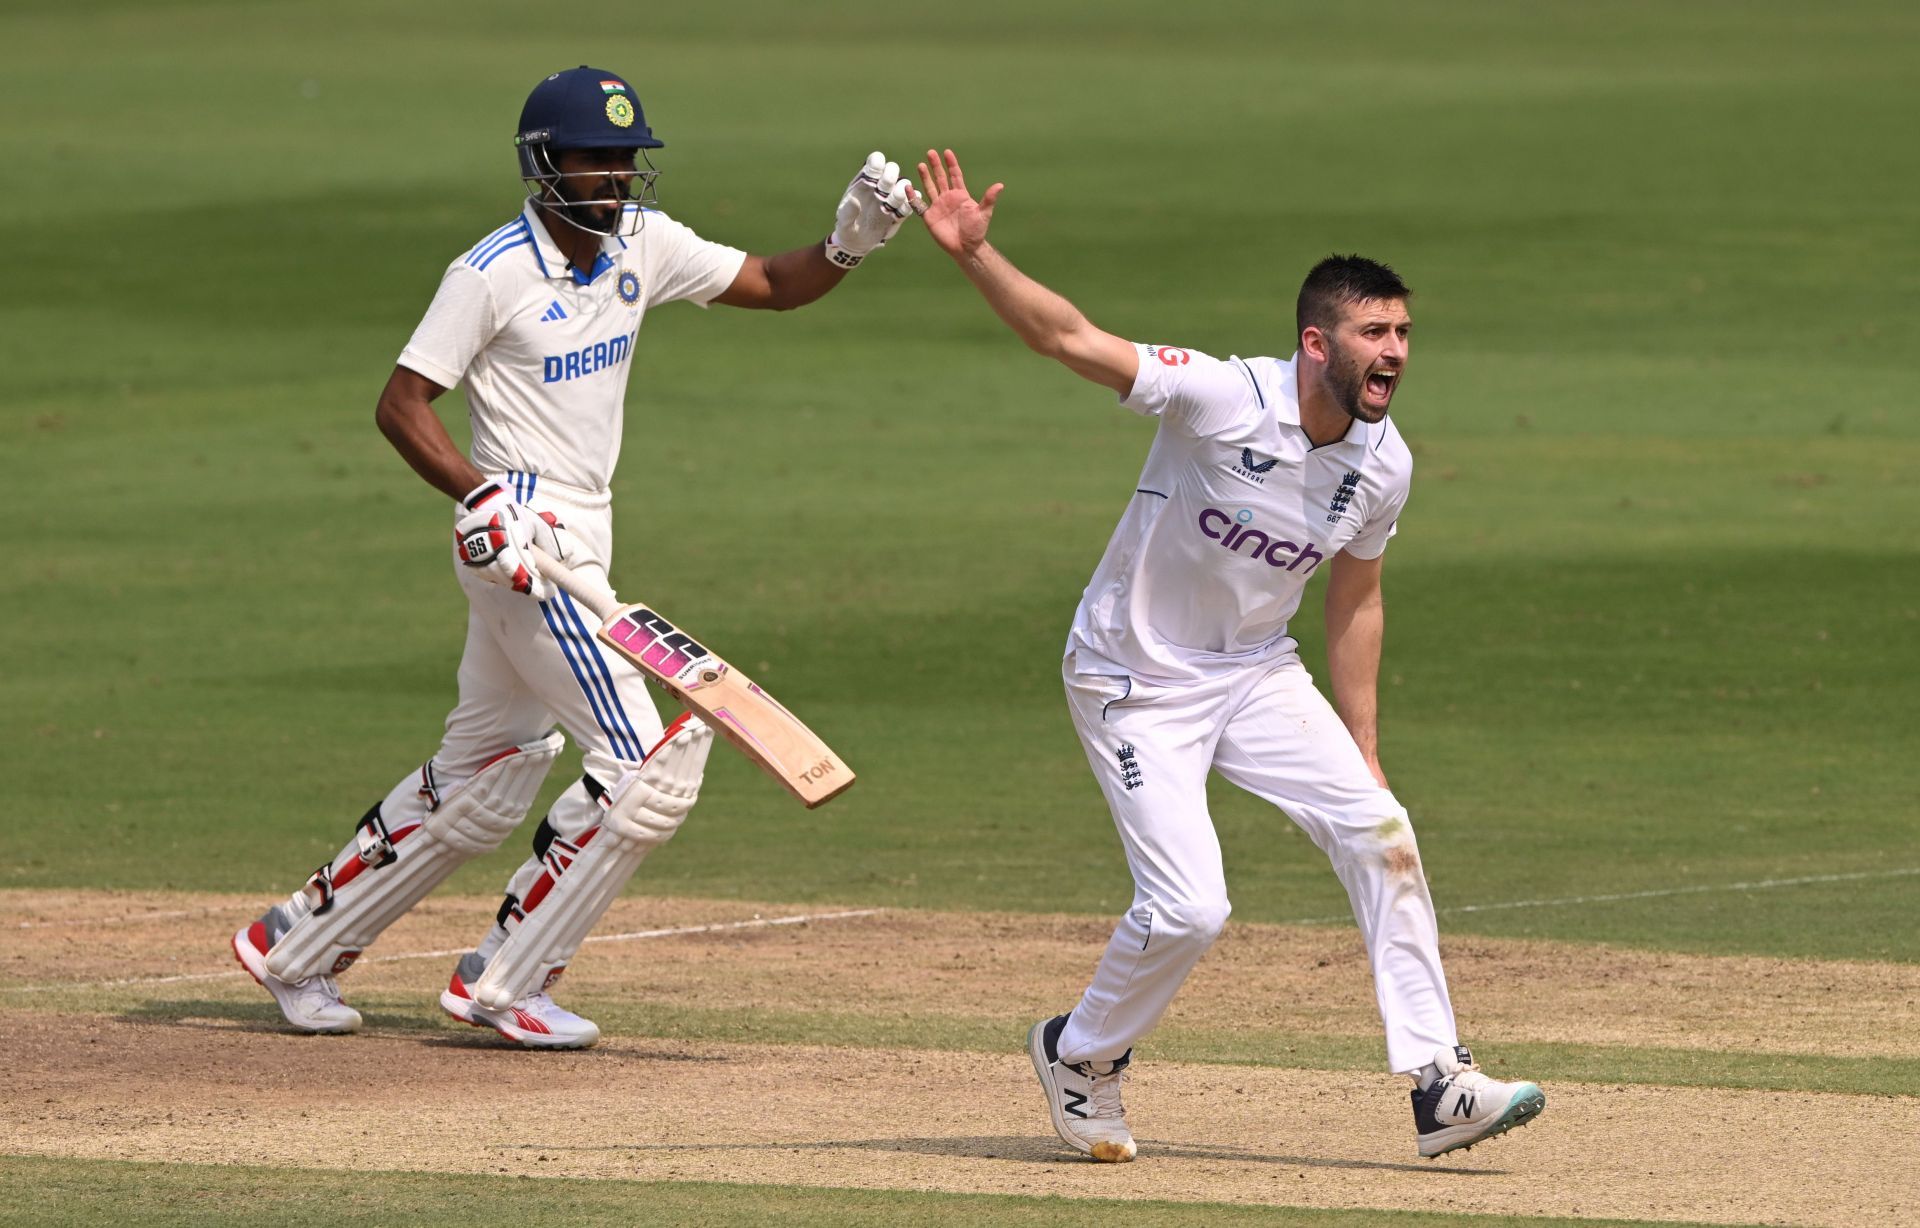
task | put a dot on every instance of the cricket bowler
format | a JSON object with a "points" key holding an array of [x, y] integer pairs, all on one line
{"points": [[1262, 473], [538, 322]]}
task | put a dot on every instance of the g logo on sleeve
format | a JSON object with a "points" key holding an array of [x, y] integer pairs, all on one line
{"points": [[1170, 356]]}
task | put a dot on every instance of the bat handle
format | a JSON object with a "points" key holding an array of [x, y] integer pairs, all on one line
{"points": [[592, 593]]}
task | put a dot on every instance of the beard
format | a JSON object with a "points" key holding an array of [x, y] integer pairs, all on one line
{"points": [[1347, 381], [579, 206]]}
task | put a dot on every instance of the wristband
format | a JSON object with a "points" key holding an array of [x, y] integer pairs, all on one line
{"points": [[839, 256]]}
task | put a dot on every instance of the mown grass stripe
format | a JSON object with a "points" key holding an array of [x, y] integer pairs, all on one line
{"points": [[113, 1192], [1574, 901], [1542, 1062]]}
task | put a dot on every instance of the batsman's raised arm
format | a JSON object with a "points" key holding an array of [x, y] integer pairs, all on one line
{"points": [[1047, 322], [869, 213]]}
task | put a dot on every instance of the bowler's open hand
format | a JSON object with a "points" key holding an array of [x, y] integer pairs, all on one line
{"points": [[957, 222]]}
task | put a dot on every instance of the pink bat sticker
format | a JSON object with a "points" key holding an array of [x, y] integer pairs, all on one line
{"points": [[655, 642]]}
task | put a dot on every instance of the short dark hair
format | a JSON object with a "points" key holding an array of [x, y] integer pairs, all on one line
{"points": [[1339, 281]]}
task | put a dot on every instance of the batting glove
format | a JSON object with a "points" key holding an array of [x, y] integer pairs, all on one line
{"points": [[870, 211], [493, 535]]}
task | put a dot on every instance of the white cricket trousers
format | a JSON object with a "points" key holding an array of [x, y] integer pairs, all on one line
{"points": [[529, 665], [1269, 731]]}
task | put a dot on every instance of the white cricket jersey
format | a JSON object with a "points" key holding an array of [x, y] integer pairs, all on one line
{"points": [[544, 350], [1236, 510]]}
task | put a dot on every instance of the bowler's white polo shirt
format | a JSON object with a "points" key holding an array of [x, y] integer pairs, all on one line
{"points": [[545, 350], [1235, 511]]}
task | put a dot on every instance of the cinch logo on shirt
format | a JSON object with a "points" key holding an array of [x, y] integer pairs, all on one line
{"points": [[587, 359], [1232, 533]]}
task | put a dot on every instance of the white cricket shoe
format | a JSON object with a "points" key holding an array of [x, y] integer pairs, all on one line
{"points": [[1083, 1098], [534, 1022], [1463, 1106], [312, 1005]]}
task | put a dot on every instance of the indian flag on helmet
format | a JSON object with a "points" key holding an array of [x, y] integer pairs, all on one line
{"points": [[614, 87]]}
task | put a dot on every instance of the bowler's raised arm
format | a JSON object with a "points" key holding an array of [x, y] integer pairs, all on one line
{"points": [[1047, 322]]}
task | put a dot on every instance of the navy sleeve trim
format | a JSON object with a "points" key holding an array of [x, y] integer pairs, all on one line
{"points": [[1248, 372]]}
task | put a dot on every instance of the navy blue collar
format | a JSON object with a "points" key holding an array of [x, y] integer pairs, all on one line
{"points": [[553, 262], [601, 263]]}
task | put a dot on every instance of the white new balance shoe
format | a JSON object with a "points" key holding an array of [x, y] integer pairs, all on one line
{"points": [[312, 1005], [535, 1021], [1083, 1098], [1463, 1106]]}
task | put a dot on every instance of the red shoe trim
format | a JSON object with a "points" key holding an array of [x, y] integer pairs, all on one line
{"points": [[241, 959]]}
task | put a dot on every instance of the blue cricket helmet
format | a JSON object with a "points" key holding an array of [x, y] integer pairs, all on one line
{"points": [[581, 108]]}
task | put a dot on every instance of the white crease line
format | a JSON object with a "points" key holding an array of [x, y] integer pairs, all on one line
{"points": [[1761, 885], [130, 918], [677, 931]]}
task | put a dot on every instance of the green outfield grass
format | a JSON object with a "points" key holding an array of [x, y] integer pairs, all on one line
{"points": [[103, 1192], [1654, 620]]}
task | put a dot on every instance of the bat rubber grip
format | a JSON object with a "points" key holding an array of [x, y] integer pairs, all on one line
{"points": [[597, 597]]}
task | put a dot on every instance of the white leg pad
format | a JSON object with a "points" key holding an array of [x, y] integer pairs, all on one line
{"points": [[358, 895], [643, 812]]}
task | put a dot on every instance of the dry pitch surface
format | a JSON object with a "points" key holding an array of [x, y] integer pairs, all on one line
{"points": [[164, 1058]]}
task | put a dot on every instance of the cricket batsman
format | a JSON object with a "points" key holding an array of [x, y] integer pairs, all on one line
{"points": [[538, 321], [1263, 471]]}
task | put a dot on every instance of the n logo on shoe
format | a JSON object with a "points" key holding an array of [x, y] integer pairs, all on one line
{"points": [[1463, 1107], [1075, 1103]]}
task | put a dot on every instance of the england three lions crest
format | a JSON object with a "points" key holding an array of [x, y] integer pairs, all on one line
{"points": [[1337, 505]]}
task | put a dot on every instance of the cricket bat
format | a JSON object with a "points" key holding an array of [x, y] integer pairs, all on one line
{"points": [[757, 724]]}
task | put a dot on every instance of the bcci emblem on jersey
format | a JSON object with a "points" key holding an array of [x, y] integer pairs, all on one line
{"points": [[628, 287]]}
